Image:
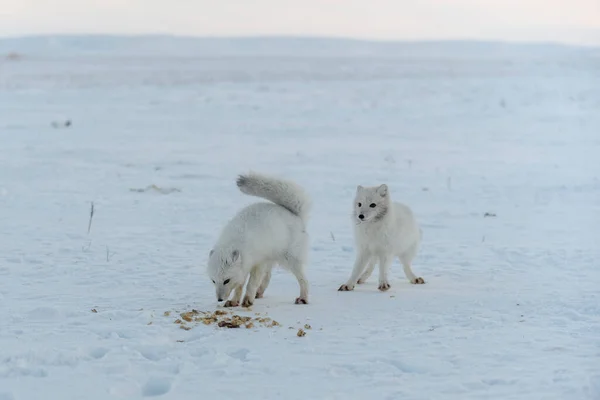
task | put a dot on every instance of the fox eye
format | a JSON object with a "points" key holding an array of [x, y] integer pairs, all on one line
{"points": [[226, 281], [372, 205], [360, 204]]}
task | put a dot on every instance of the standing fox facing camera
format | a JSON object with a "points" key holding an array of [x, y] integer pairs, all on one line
{"points": [[258, 237], [383, 230]]}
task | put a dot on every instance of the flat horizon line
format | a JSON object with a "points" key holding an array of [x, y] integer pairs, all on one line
{"points": [[303, 37]]}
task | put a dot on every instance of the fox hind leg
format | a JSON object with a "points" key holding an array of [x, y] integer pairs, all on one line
{"points": [[264, 284], [367, 274], [406, 261]]}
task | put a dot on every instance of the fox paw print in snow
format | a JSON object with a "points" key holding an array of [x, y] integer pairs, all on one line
{"points": [[345, 288]]}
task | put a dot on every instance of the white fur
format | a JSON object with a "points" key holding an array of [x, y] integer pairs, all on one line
{"points": [[258, 237], [386, 230]]}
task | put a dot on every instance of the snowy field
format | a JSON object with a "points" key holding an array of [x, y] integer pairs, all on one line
{"points": [[498, 153]]}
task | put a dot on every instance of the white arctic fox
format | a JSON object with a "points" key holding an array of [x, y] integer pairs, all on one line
{"points": [[258, 237], [382, 230]]}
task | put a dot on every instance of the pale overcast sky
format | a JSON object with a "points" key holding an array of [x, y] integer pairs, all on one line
{"points": [[572, 21]]}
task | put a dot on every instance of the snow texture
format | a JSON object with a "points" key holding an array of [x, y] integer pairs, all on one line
{"points": [[499, 157]]}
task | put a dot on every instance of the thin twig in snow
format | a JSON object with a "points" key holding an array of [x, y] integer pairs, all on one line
{"points": [[108, 254], [91, 216]]}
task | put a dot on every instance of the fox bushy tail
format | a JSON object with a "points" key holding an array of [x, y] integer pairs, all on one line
{"points": [[280, 191]]}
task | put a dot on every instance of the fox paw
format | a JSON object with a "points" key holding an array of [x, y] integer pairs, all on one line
{"points": [[345, 288], [230, 303], [247, 302], [383, 286], [301, 300], [259, 295], [360, 281], [418, 281]]}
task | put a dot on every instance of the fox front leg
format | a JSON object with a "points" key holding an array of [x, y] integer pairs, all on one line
{"points": [[237, 296], [359, 265]]}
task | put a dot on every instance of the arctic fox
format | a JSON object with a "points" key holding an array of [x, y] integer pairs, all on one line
{"points": [[258, 237], [382, 230]]}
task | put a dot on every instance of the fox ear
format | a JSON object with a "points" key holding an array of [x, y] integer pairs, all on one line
{"points": [[382, 190], [359, 188], [234, 256]]}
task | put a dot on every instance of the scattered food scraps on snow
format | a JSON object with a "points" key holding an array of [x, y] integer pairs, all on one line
{"points": [[223, 319], [301, 333]]}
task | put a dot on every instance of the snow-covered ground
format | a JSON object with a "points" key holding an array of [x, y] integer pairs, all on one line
{"points": [[511, 307]]}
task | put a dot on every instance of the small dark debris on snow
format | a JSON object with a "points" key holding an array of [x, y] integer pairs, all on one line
{"points": [[61, 124], [155, 188], [94, 310], [12, 56], [489, 214]]}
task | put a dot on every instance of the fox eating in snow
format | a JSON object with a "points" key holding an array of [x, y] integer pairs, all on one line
{"points": [[260, 236]]}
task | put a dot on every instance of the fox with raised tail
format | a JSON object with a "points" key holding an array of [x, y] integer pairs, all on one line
{"points": [[260, 236], [383, 230]]}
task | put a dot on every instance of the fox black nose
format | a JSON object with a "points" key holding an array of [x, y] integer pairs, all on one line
{"points": [[361, 216], [220, 299]]}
